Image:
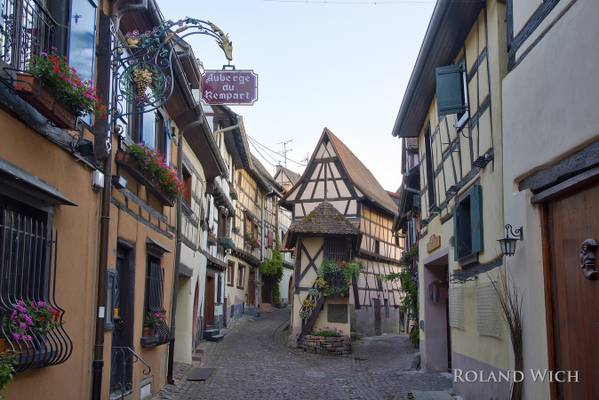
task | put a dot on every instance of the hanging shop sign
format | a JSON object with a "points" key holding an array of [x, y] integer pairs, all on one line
{"points": [[230, 87]]}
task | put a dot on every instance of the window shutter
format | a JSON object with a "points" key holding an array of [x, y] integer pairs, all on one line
{"points": [[450, 90], [456, 239], [476, 219]]}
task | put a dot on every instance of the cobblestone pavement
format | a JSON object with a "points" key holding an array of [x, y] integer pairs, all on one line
{"points": [[253, 363]]}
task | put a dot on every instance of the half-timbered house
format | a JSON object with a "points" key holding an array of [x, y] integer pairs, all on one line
{"points": [[286, 179], [336, 176], [452, 107]]}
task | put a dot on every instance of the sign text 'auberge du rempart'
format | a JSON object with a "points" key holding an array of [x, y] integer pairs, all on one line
{"points": [[229, 87]]}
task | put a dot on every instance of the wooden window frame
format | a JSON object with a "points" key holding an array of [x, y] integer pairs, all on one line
{"points": [[230, 273], [240, 276]]}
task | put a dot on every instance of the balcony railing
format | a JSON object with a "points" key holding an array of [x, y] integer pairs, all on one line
{"points": [[28, 277], [26, 29]]}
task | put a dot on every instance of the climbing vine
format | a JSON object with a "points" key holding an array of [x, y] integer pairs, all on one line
{"points": [[408, 277], [271, 271]]}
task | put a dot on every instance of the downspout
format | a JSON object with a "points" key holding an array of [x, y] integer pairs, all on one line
{"points": [[103, 79], [171, 344]]}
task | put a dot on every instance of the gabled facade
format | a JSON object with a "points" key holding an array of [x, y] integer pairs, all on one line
{"points": [[452, 106], [336, 176]]}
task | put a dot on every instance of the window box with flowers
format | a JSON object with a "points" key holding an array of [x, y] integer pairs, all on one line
{"points": [[335, 277], [155, 329], [149, 168], [251, 241], [29, 328], [55, 89]]}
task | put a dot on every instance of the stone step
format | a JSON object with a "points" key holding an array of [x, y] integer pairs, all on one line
{"points": [[208, 333], [215, 338]]}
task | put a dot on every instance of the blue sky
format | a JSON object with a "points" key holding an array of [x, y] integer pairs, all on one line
{"points": [[343, 66]]}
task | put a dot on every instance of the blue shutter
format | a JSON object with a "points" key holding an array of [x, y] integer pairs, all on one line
{"points": [[476, 219], [450, 90]]}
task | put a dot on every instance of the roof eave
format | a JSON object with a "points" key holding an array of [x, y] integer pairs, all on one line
{"points": [[433, 53]]}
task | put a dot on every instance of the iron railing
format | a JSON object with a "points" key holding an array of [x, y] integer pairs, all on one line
{"points": [[28, 275], [26, 29], [121, 370]]}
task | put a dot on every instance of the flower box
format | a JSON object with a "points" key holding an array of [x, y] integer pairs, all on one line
{"points": [[125, 161], [31, 89]]}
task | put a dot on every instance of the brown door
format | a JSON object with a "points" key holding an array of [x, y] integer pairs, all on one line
{"points": [[195, 330], [252, 287], [209, 302], [575, 299]]}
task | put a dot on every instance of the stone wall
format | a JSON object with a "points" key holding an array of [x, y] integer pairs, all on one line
{"points": [[339, 346]]}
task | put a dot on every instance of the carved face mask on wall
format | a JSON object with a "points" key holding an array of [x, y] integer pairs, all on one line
{"points": [[588, 259]]}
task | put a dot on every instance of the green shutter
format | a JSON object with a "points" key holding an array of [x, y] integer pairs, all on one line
{"points": [[476, 219], [450, 90], [456, 239]]}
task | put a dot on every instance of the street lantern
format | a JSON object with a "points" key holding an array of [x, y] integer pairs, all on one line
{"points": [[508, 243]]}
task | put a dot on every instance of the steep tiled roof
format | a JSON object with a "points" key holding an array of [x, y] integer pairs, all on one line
{"points": [[360, 175], [323, 220], [294, 177]]}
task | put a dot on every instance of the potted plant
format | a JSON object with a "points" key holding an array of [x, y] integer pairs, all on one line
{"points": [[160, 177], [337, 277], [152, 320], [7, 369], [29, 317], [57, 91]]}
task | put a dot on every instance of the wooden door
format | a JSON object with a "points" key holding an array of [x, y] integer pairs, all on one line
{"points": [[377, 317], [209, 302], [121, 370], [575, 299], [252, 287]]}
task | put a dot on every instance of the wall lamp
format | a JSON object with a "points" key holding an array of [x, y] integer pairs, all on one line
{"points": [[508, 243]]}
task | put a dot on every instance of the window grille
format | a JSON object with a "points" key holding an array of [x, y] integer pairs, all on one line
{"points": [[336, 249], [28, 274], [154, 285]]}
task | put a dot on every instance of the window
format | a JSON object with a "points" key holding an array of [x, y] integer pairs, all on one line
{"points": [[151, 129], [27, 273], [241, 276], [230, 273], [336, 249], [187, 186], [154, 285], [377, 246], [430, 173], [468, 225], [82, 37], [452, 91]]}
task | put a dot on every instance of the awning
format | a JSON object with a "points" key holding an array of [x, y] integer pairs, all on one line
{"points": [[23, 181], [214, 262]]}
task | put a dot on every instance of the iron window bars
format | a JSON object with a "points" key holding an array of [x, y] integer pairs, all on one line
{"points": [[28, 273], [154, 302]]}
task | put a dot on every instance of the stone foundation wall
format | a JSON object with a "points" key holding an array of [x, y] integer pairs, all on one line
{"points": [[326, 345]]}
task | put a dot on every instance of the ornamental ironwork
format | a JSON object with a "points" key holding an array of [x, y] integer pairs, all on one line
{"points": [[143, 77]]}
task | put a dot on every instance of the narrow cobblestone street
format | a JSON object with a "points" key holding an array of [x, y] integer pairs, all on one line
{"points": [[253, 362]]}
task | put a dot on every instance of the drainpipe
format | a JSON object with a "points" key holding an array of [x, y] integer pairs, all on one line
{"points": [[171, 344], [103, 81]]}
